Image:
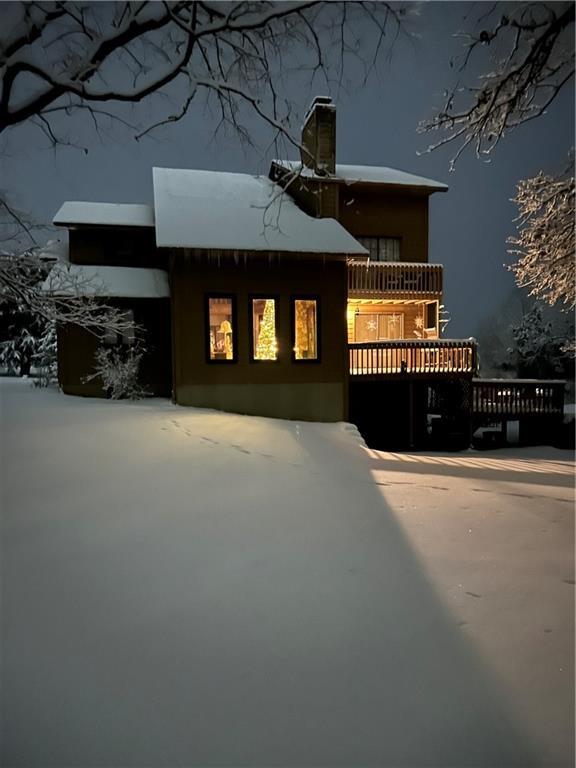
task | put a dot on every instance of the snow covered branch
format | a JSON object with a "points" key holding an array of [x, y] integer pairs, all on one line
{"points": [[71, 300], [545, 245], [531, 50]]}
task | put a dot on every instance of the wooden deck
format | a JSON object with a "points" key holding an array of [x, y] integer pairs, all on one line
{"points": [[517, 398], [394, 280], [436, 358]]}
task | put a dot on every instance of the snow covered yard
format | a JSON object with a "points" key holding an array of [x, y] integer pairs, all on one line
{"points": [[189, 588]]}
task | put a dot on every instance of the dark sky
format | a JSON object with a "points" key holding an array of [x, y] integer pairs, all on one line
{"points": [[376, 126]]}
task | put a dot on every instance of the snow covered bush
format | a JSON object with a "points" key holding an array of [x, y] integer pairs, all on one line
{"points": [[118, 368]]}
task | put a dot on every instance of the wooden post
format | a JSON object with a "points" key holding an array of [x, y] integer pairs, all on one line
{"points": [[411, 413]]}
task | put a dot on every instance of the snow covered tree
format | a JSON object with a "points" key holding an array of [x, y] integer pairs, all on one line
{"points": [[523, 55], [538, 350], [32, 304], [63, 297], [545, 245]]}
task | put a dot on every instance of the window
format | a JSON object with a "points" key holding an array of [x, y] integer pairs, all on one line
{"points": [[126, 337], [221, 329], [264, 340], [382, 248], [379, 326], [305, 329]]}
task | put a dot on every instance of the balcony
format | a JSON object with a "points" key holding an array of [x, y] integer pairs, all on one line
{"points": [[420, 358], [394, 280]]}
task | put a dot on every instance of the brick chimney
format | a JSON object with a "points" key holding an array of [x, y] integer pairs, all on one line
{"points": [[319, 136]]}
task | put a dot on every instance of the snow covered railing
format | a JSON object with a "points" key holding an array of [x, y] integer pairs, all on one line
{"points": [[518, 397], [431, 357], [394, 279]]}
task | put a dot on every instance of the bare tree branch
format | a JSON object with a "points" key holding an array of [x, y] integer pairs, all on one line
{"points": [[532, 47]]}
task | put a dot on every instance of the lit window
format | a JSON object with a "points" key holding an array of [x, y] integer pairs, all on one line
{"points": [[382, 248], [264, 342], [305, 329], [221, 328]]}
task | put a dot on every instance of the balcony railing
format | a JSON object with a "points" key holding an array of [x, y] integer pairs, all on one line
{"points": [[394, 280], [437, 357], [507, 398]]}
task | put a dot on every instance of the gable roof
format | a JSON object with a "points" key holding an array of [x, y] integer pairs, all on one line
{"points": [[236, 211], [366, 174], [105, 214]]}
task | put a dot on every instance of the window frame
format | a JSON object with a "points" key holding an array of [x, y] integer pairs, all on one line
{"points": [[434, 327], [305, 297], [378, 238], [255, 297], [219, 295]]}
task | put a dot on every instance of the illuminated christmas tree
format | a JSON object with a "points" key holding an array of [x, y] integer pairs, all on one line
{"points": [[266, 347]]}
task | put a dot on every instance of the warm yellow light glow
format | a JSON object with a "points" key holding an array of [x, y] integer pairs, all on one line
{"points": [[266, 345]]}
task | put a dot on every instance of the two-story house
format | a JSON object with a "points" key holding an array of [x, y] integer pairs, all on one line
{"points": [[269, 295]]}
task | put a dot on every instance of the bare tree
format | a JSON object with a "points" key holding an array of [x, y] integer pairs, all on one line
{"points": [[545, 245], [524, 56], [61, 57]]}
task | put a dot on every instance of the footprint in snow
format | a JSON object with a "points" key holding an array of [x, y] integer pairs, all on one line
{"points": [[239, 448]]}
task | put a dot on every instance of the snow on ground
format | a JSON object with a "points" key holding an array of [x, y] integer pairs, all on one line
{"points": [[183, 587]]}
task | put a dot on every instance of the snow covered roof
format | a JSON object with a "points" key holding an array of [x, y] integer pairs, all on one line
{"points": [[236, 211], [105, 214], [370, 174], [129, 282]]}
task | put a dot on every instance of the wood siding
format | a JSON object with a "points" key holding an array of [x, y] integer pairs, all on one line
{"points": [[366, 210], [116, 247], [77, 348], [410, 314], [281, 388]]}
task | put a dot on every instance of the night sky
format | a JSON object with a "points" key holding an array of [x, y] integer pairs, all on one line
{"points": [[376, 125]]}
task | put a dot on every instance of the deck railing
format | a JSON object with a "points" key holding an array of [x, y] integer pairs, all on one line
{"points": [[517, 397], [394, 280], [432, 357]]}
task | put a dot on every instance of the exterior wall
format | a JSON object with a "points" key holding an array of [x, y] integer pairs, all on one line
{"points": [[366, 210], [116, 247], [308, 390], [410, 311], [77, 348], [369, 211]]}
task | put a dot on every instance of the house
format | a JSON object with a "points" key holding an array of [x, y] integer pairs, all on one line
{"points": [[271, 296]]}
